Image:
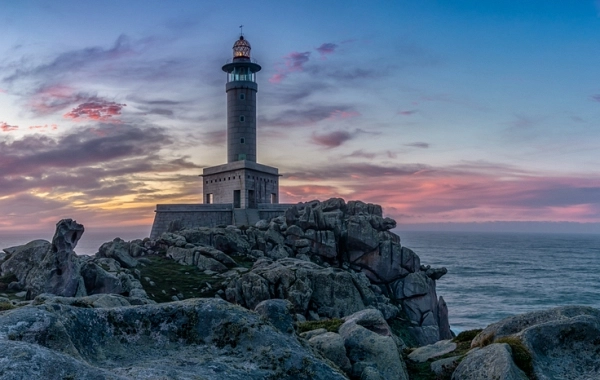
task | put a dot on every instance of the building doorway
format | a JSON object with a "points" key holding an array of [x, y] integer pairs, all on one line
{"points": [[251, 199], [237, 199]]}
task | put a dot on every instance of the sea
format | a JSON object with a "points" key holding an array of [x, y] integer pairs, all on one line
{"points": [[490, 275]]}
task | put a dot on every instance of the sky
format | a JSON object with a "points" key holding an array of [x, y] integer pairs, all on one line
{"points": [[447, 113]]}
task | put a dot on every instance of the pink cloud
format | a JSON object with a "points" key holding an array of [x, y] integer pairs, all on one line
{"points": [[293, 62], [44, 127], [51, 99], [475, 192], [4, 127], [96, 109]]}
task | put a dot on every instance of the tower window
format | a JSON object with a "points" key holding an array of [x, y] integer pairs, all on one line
{"points": [[242, 140], [242, 118], [242, 96]]}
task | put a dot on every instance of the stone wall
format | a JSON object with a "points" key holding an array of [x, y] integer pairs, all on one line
{"points": [[190, 216], [204, 215], [270, 211]]}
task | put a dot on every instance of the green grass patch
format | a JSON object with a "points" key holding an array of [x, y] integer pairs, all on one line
{"points": [[6, 306], [520, 354], [467, 336], [167, 275], [331, 325]]}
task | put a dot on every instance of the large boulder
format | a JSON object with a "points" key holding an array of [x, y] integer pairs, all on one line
{"points": [[373, 350], [331, 345], [491, 362], [560, 343], [176, 340], [565, 349], [515, 324], [118, 249]]}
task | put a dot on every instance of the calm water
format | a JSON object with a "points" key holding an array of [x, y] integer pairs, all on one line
{"points": [[490, 275], [494, 275]]}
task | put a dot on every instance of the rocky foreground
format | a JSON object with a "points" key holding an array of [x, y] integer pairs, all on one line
{"points": [[324, 292]]}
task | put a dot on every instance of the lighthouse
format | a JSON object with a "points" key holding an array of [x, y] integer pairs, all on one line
{"points": [[242, 182], [241, 89], [241, 191]]}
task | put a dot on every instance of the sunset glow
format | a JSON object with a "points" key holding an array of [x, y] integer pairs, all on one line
{"points": [[462, 112]]}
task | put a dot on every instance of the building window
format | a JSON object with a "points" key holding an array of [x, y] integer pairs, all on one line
{"points": [[242, 140], [273, 198], [242, 118], [242, 96], [209, 199], [241, 156]]}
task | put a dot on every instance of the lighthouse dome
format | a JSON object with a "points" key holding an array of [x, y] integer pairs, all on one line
{"points": [[241, 49]]}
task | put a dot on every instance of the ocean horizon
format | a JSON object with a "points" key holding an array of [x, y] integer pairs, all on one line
{"points": [[491, 275]]}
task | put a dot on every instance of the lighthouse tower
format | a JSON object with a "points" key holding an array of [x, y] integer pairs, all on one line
{"points": [[241, 89], [242, 191], [241, 182]]}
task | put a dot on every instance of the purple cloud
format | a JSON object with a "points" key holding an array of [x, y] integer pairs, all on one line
{"points": [[332, 139], [86, 160], [418, 144], [293, 62], [407, 113], [596, 97], [326, 48], [95, 109]]}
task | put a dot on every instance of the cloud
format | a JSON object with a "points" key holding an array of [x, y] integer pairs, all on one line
{"points": [[95, 109], [45, 127], [4, 127], [293, 62], [596, 97], [345, 171], [471, 191], [75, 60], [213, 138], [422, 145], [308, 115], [332, 139], [335, 138], [361, 154], [407, 113], [326, 48], [85, 160]]}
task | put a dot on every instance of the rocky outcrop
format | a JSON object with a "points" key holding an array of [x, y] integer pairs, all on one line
{"points": [[356, 234], [354, 238], [207, 337], [42, 267], [54, 268], [314, 291]]}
